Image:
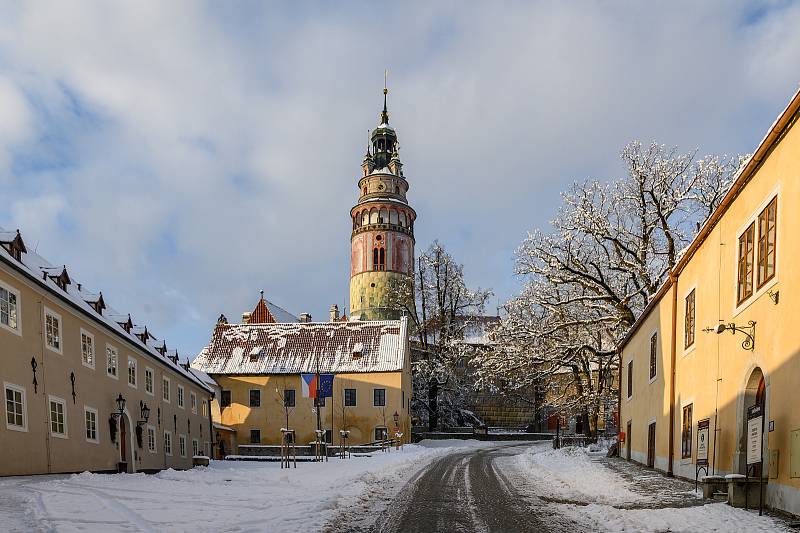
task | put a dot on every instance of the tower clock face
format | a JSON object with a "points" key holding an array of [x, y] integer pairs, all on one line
{"points": [[381, 186]]}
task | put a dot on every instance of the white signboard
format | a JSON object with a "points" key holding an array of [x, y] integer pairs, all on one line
{"points": [[754, 426], [702, 442]]}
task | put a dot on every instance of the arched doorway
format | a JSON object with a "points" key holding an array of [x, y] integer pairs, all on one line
{"points": [[755, 393], [126, 444]]}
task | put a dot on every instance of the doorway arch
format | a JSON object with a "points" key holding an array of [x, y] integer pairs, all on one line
{"points": [[755, 392]]}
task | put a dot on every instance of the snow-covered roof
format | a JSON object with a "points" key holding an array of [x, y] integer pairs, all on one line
{"points": [[279, 313], [34, 266], [293, 348]]}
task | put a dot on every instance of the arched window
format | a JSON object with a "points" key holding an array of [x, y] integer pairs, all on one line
{"points": [[384, 216], [364, 218], [393, 217], [373, 216], [378, 259], [402, 219]]}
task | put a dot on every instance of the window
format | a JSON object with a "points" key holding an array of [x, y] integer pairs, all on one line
{"points": [[328, 436], [112, 358], [381, 433], [193, 402], [195, 447], [205, 408], [168, 443], [379, 397], [686, 433], [349, 397], [288, 398], [165, 389], [225, 398], [148, 380], [90, 418], [87, 349], [182, 445], [151, 439], [52, 327], [378, 258], [132, 372], [653, 360], [16, 418], [9, 308], [767, 234], [745, 265], [255, 398], [180, 396], [58, 417], [630, 379], [255, 436], [688, 321]]}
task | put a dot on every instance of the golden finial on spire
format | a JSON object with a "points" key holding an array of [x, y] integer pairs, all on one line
{"points": [[385, 114]]}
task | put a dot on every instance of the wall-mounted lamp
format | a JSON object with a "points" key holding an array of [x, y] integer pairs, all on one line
{"points": [[749, 331]]}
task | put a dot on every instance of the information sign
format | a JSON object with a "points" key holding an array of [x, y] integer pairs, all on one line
{"points": [[755, 425], [702, 442]]}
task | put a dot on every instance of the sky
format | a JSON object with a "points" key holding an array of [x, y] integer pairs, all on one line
{"points": [[182, 156]]}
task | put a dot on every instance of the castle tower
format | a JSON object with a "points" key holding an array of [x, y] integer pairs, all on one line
{"points": [[382, 242]]}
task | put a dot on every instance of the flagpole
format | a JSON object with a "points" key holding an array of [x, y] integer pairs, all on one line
{"points": [[317, 404]]}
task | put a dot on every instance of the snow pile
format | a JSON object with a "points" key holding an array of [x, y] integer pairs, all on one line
{"points": [[224, 496], [570, 474]]}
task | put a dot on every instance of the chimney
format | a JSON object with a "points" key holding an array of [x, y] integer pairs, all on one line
{"points": [[246, 317], [305, 318], [334, 313]]}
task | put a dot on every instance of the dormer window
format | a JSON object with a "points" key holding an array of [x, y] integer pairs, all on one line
{"points": [[255, 353], [13, 244], [60, 279], [358, 350], [96, 301]]}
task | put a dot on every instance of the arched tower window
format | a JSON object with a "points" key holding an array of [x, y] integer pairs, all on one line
{"points": [[378, 259]]}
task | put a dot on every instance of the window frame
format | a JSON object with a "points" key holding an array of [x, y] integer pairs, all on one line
{"points": [[763, 253], [690, 338], [195, 447], [258, 432], [52, 314], [686, 438], [629, 389], [289, 398], [375, 397], [17, 309], [135, 384], [225, 395], [180, 396], [151, 432], [63, 403], [193, 402], [167, 443], [24, 404], [90, 336], [152, 373], [741, 261], [166, 394], [348, 401], [115, 351], [653, 357], [250, 398], [385, 430], [92, 410], [182, 445]]}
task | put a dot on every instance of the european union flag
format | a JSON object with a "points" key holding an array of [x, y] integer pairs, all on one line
{"points": [[326, 385]]}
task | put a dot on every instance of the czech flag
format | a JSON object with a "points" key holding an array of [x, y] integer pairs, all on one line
{"points": [[310, 385]]}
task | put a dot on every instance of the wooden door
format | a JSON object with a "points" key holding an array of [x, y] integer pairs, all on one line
{"points": [[628, 438], [651, 445]]}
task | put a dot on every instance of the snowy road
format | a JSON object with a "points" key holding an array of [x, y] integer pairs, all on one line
{"points": [[466, 491]]}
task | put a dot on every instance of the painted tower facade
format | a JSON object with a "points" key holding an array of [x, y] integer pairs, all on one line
{"points": [[382, 242]]}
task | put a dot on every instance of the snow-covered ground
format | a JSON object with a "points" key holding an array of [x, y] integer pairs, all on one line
{"points": [[227, 495], [610, 495]]}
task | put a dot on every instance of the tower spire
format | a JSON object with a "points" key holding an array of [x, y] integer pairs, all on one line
{"points": [[385, 113]]}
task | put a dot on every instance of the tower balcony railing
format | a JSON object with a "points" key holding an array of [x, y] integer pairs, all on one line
{"points": [[383, 226]]}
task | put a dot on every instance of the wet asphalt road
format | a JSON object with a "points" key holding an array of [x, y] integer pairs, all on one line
{"points": [[463, 491]]}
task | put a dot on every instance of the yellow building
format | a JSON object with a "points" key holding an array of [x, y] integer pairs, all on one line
{"points": [[67, 362], [258, 366], [719, 335]]}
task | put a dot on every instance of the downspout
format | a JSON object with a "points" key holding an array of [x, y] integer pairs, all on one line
{"points": [[210, 425], [41, 366], [619, 405], [674, 281]]}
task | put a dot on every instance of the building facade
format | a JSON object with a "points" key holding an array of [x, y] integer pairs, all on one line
{"points": [[258, 367], [718, 338], [382, 240], [67, 361]]}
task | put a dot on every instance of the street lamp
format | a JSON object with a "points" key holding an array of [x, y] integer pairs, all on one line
{"points": [[144, 413], [396, 418], [120, 404]]}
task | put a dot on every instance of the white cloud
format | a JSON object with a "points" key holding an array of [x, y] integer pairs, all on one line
{"points": [[204, 155]]}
